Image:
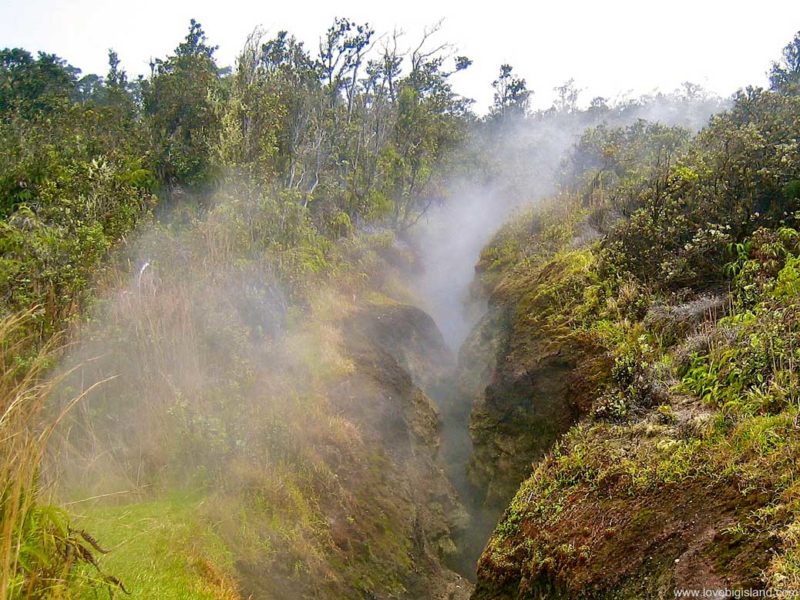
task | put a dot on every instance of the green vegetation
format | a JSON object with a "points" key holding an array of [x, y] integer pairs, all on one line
{"points": [[161, 549], [688, 450]]}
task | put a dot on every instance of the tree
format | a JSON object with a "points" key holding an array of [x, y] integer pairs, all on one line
{"points": [[599, 105], [181, 115], [89, 88], [429, 124], [566, 97], [341, 55], [692, 92], [116, 78], [118, 92], [34, 86], [785, 73], [511, 94]]}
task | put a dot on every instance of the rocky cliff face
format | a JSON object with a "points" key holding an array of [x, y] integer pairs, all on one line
{"points": [[598, 534], [529, 383], [518, 415], [399, 356]]}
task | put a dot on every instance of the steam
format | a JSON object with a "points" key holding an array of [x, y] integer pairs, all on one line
{"points": [[510, 165], [269, 390], [507, 166]]}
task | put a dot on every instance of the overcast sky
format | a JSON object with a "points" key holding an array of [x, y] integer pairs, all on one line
{"points": [[610, 48]]}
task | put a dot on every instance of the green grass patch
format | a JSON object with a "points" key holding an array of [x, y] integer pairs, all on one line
{"points": [[161, 549]]}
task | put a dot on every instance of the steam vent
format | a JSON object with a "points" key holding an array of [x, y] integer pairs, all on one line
{"points": [[339, 310]]}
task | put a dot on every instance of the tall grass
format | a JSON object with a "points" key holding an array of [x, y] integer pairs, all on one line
{"points": [[37, 547], [23, 391]]}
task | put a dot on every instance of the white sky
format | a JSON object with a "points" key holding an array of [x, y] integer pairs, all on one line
{"points": [[610, 47]]}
